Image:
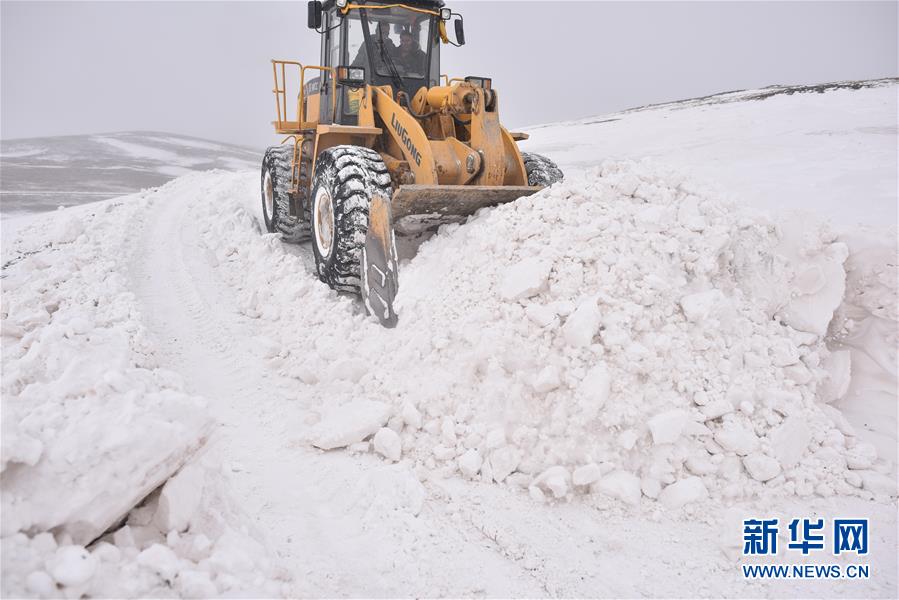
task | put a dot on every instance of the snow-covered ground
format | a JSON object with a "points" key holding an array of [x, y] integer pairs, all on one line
{"points": [[40, 174], [588, 390], [825, 150]]}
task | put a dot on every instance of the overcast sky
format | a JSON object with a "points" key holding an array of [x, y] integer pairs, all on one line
{"points": [[202, 68]]}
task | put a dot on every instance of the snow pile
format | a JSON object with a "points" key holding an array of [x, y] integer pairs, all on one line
{"points": [[74, 390], [180, 541], [633, 334], [90, 429], [629, 334], [865, 332]]}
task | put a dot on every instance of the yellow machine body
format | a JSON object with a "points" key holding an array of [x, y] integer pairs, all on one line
{"points": [[446, 151]]}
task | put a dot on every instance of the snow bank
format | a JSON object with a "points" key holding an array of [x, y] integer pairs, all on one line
{"points": [[74, 387], [865, 336], [185, 540], [90, 429], [630, 334]]}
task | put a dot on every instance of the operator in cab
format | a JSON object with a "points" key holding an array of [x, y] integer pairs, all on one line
{"points": [[409, 56], [380, 36]]}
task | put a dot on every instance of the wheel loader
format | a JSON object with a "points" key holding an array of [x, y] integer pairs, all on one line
{"points": [[380, 143]]}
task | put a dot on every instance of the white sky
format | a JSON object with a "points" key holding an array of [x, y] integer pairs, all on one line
{"points": [[202, 68]]}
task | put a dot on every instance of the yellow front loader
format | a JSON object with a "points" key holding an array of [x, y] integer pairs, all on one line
{"points": [[381, 143]]}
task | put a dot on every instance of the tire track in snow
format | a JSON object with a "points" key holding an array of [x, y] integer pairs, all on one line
{"points": [[332, 537]]}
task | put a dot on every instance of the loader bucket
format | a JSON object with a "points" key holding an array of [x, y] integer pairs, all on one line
{"points": [[416, 208]]}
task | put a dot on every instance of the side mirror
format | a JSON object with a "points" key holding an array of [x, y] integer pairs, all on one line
{"points": [[460, 32], [314, 12]]}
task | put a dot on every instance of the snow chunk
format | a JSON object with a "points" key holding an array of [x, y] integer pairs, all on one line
{"points": [[161, 560], [195, 584], [547, 380], [586, 474], [582, 324], [504, 461], [622, 485], [683, 492], [627, 439], [717, 408], [667, 427], [861, 456], [20, 448], [819, 288], [761, 467], [387, 443], [555, 479], [736, 438], [180, 498], [67, 229], [72, 565], [790, 441], [470, 463], [594, 389], [698, 307], [350, 423], [40, 584], [543, 316], [525, 279], [411, 416]]}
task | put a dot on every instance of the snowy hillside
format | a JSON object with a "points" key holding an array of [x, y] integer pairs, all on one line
{"points": [[828, 150], [588, 390], [40, 174]]}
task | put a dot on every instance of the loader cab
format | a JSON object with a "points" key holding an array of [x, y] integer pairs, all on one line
{"points": [[395, 44]]}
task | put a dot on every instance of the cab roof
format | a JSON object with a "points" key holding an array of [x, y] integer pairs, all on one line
{"points": [[432, 4]]}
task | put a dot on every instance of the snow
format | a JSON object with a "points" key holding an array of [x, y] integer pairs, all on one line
{"points": [[71, 566], [142, 151], [350, 423], [525, 279], [470, 463], [580, 327], [388, 444], [684, 491], [809, 152], [74, 386], [586, 474], [666, 427], [761, 467], [664, 362], [22, 153], [622, 485]]}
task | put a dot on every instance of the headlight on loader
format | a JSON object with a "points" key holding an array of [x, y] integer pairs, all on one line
{"points": [[351, 76], [481, 82]]}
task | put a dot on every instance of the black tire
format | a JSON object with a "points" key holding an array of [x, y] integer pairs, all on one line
{"points": [[541, 170], [346, 179], [276, 167]]}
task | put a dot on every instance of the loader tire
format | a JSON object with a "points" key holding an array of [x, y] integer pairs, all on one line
{"points": [[541, 170], [346, 179], [276, 167]]}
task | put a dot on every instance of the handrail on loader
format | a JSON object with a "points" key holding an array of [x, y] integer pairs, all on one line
{"points": [[447, 81], [280, 92]]}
